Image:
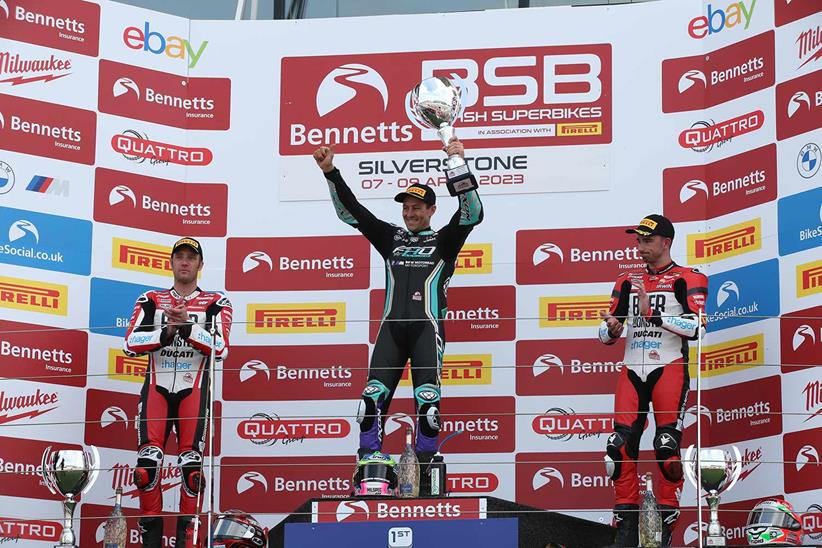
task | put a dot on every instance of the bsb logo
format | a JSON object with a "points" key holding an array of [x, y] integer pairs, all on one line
{"points": [[69, 25], [801, 339], [702, 81], [299, 263], [698, 193], [40, 240], [59, 358], [726, 242], [126, 368], [729, 356], [141, 257], [474, 259], [803, 465], [743, 295], [147, 40], [809, 278], [160, 205], [296, 318], [164, 98], [46, 298], [545, 95], [572, 311], [736, 14], [46, 129], [567, 367], [575, 255], [799, 105], [800, 221]]}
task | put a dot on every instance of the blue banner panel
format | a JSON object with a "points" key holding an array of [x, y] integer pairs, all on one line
{"points": [[111, 305]]}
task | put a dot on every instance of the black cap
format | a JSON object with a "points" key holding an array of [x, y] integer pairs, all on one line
{"points": [[422, 192], [188, 242], [654, 225]]}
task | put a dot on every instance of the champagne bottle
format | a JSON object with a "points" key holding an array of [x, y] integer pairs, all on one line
{"points": [[650, 520], [116, 527], [409, 470]]}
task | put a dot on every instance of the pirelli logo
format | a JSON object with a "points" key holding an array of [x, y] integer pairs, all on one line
{"points": [[461, 369], [126, 368], [729, 356], [33, 296], [809, 278], [589, 128], [474, 259], [296, 318], [140, 256], [572, 311], [724, 243]]}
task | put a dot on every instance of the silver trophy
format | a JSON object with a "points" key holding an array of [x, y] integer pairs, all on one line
{"points": [[435, 103], [69, 473], [718, 474]]}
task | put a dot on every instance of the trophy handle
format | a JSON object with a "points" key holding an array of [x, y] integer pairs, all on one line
{"points": [[736, 470], [44, 467], [410, 113], [689, 466], [93, 466]]}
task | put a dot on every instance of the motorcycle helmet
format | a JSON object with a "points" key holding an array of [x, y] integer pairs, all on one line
{"points": [[773, 522], [375, 475], [236, 529]]}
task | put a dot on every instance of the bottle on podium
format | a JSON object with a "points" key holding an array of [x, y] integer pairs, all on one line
{"points": [[116, 527], [650, 520], [409, 470]]}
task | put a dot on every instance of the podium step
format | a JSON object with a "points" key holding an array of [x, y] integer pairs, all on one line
{"points": [[473, 521]]}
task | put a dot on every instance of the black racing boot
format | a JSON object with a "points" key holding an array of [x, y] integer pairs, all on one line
{"points": [[626, 520], [151, 531], [425, 471], [185, 533], [669, 516]]}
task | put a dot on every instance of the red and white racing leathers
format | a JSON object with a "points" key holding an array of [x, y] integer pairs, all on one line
{"points": [[175, 392], [656, 371]]}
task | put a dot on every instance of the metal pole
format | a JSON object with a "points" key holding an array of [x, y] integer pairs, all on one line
{"points": [[210, 434], [238, 15], [699, 425]]}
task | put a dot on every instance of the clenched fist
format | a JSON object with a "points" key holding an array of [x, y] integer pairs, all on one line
{"points": [[324, 156]]}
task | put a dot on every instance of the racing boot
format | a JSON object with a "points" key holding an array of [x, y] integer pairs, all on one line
{"points": [[669, 516], [151, 531], [185, 533], [626, 520]]}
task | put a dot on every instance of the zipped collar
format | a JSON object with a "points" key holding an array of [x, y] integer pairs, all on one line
{"points": [[662, 270]]}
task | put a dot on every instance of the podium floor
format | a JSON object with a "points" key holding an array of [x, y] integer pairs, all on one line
{"points": [[465, 520]]}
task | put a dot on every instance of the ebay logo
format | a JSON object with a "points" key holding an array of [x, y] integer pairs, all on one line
{"points": [[718, 19], [151, 41]]}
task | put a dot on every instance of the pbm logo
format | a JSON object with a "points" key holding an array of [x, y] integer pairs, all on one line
{"points": [[21, 229], [691, 189], [339, 86], [806, 455], [125, 85], [250, 480], [545, 362], [113, 414], [545, 251], [252, 368], [398, 421], [691, 77], [803, 334], [693, 413], [256, 259], [120, 193], [797, 100], [348, 508], [726, 291], [545, 476]]}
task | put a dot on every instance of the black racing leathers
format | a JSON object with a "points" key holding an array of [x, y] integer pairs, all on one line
{"points": [[418, 268]]}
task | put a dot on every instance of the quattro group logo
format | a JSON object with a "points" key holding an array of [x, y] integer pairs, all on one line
{"points": [[72, 25], [50, 242], [743, 295], [716, 20], [298, 263], [809, 278], [799, 105], [800, 221], [32, 296], [567, 367], [575, 255], [703, 136], [725, 242], [801, 339], [697, 193], [164, 98], [59, 358], [296, 318], [565, 424], [269, 429], [146, 40], [702, 81], [137, 147], [126, 368], [474, 259], [30, 529], [160, 205], [729, 356], [19, 68], [572, 311], [141, 257], [513, 97], [46, 129]]}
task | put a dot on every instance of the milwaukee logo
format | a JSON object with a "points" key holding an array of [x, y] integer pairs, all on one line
{"points": [[810, 45], [141, 257], [14, 70], [296, 318], [572, 311], [474, 259], [809, 278], [123, 474], [813, 399], [461, 369], [724, 243], [33, 296], [13, 408], [125, 368], [730, 356]]}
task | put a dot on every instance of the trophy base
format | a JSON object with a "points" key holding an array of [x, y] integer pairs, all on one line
{"points": [[460, 180], [714, 541]]}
